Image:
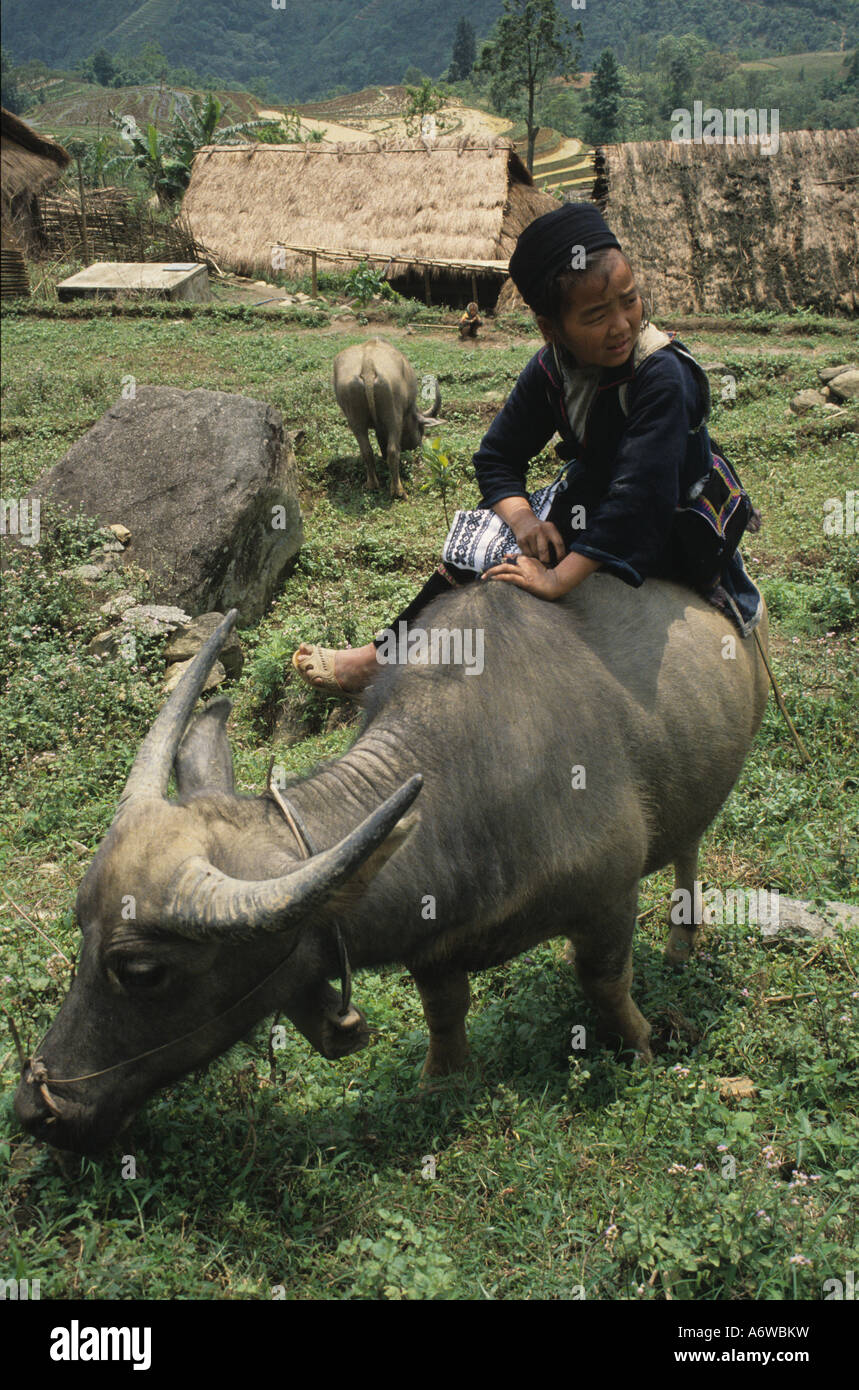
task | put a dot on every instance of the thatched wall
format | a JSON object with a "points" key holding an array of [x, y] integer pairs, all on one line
{"points": [[722, 227], [29, 163], [448, 200]]}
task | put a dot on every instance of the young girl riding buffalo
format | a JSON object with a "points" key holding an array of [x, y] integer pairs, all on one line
{"points": [[641, 493]]}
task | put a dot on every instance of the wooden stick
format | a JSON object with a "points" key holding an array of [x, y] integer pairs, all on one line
{"points": [[781, 704], [31, 923]]}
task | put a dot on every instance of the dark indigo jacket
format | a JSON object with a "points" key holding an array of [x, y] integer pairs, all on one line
{"points": [[631, 467]]}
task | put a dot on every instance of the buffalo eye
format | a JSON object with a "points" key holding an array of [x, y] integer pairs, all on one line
{"points": [[130, 974]]}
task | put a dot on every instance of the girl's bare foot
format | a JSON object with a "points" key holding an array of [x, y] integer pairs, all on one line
{"points": [[351, 668]]}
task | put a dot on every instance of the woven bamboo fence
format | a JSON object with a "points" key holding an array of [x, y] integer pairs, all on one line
{"points": [[117, 229]]}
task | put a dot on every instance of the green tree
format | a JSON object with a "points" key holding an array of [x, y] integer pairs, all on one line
{"points": [[464, 52], [603, 104], [529, 44], [152, 155], [678, 61], [425, 102], [11, 95], [103, 69], [165, 160], [198, 125]]}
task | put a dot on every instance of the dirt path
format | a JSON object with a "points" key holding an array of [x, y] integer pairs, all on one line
{"points": [[568, 149]]}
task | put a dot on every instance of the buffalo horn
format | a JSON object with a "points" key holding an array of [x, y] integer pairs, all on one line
{"points": [[150, 773], [206, 903]]}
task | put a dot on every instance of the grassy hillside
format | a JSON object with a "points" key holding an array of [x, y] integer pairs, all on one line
{"points": [[304, 50], [813, 65], [82, 109]]}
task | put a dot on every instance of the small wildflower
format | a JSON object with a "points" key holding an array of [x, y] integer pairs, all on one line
{"points": [[799, 1260]]}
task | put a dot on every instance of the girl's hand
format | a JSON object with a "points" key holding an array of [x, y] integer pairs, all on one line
{"points": [[527, 573], [538, 539]]}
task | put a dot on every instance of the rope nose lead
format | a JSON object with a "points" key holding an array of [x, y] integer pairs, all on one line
{"points": [[307, 848]]}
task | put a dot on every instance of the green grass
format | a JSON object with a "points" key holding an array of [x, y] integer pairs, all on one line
{"points": [[816, 64], [554, 1169]]}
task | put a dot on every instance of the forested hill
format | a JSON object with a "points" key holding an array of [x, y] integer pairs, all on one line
{"points": [[303, 49]]}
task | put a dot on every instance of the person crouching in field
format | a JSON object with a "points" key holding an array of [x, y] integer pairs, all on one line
{"points": [[641, 492]]}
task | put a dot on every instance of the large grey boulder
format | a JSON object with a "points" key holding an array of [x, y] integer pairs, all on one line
{"points": [[206, 483]]}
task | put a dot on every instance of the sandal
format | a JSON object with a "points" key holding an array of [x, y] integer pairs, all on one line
{"points": [[319, 671]]}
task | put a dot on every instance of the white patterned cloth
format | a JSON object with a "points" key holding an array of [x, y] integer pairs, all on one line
{"points": [[479, 539]]}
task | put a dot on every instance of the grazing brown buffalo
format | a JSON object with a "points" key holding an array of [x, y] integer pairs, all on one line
{"points": [[376, 388]]}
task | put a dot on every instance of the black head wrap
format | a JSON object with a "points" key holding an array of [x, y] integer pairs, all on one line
{"points": [[546, 245]]}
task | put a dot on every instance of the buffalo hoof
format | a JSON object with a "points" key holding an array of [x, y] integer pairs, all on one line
{"points": [[678, 952], [440, 1066]]}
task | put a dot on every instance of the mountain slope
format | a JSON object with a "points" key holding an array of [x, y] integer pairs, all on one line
{"points": [[304, 49]]}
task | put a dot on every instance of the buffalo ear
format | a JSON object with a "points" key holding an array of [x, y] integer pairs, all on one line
{"points": [[354, 888], [204, 761]]}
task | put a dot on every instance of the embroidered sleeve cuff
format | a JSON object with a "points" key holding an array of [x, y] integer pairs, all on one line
{"points": [[611, 563]]}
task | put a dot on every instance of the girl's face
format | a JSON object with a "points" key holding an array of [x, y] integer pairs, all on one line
{"points": [[603, 321]]}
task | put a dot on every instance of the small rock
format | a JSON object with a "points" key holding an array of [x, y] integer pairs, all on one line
{"points": [[49, 868], [735, 1087], [804, 919], [121, 532], [154, 619], [827, 373], [217, 675], [104, 643], [845, 386], [116, 606], [804, 401], [185, 643], [90, 574], [113, 547]]}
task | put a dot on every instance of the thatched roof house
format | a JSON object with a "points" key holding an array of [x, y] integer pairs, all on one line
{"points": [[716, 227], [29, 163], [450, 199]]}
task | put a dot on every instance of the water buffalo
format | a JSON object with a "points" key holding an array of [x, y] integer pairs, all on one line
{"points": [[376, 388], [601, 739]]}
